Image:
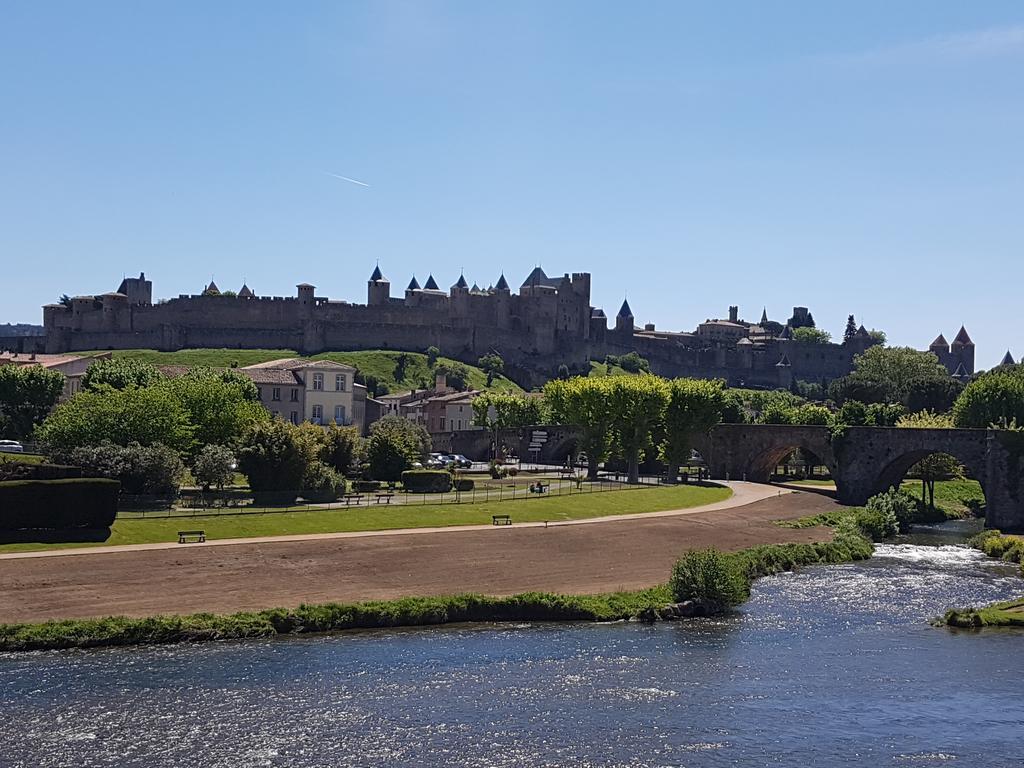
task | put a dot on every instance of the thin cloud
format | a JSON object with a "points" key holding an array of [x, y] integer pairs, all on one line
{"points": [[346, 178], [983, 43]]}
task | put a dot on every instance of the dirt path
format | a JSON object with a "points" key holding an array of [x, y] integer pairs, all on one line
{"points": [[622, 554]]}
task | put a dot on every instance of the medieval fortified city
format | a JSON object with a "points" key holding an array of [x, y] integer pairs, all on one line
{"points": [[555, 521]]}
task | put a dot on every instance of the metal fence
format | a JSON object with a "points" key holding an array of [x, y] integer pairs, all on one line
{"points": [[240, 503]]}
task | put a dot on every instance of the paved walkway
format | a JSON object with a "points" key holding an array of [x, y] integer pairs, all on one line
{"points": [[742, 494]]}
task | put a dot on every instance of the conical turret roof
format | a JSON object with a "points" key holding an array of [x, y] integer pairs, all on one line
{"points": [[502, 284], [212, 288], [245, 292], [940, 341], [378, 275], [624, 310], [537, 277], [784, 362], [787, 333], [963, 338], [764, 317], [461, 282], [413, 285], [431, 284], [1008, 359]]}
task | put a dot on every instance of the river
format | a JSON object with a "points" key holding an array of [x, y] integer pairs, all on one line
{"points": [[832, 666]]}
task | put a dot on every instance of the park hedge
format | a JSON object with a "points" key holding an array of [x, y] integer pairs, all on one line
{"points": [[427, 480], [463, 484], [58, 504]]}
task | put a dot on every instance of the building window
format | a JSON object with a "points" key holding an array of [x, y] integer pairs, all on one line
{"points": [[339, 382], [275, 393], [295, 395], [295, 417], [318, 381], [339, 414], [318, 414]]}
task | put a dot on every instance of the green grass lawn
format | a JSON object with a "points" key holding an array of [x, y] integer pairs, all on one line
{"points": [[386, 517], [377, 363], [957, 498]]}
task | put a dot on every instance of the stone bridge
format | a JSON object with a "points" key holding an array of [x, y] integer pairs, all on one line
{"points": [[868, 460], [863, 461]]}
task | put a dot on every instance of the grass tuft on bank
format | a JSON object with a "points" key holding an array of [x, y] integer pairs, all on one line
{"points": [[1005, 614]]}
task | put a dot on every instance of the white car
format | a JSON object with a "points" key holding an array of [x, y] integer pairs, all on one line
{"points": [[11, 446]]}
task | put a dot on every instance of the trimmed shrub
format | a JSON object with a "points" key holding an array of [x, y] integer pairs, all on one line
{"points": [[463, 484], [322, 484], [427, 480], [57, 504], [366, 486], [141, 469]]}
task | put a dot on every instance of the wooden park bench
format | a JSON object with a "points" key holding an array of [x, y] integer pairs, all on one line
{"points": [[501, 520], [385, 496], [350, 497], [184, 536]]}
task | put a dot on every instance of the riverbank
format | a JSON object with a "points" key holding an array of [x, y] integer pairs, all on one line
{"points": [[699, 591], [1008, 613], [592, 558]]}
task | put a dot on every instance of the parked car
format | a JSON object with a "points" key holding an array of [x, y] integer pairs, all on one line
{"points": [[436, 461], [460, 461], [11, 446]]}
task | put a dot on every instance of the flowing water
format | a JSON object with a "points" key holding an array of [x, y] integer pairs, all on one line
{"points": [[830, 666]]}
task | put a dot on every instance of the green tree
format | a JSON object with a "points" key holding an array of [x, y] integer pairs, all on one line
{"points": [[27, 393], [456, 374], [273, 457], [432, 354], [851, 329], [937, 466], [492, 364], [812, 414], [809, 335], [341, 447], [637, 410], [993, 399], [401, 367], [394, 444], [510, 410], [214, 465], [120, 373], [146, 416], [586, 404], [221, 405], [916, 380], [694, 407], [633, 363]]}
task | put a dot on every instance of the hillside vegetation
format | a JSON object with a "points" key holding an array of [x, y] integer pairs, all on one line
{"points": [[379, 364]]}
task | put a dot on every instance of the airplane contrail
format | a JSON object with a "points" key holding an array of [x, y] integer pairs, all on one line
{"points": [[346, 178]]}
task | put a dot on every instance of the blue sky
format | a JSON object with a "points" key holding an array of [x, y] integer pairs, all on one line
{"points": [[863, 157]]}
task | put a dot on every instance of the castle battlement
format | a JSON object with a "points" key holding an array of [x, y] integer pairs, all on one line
{"points": [[547, 323]]}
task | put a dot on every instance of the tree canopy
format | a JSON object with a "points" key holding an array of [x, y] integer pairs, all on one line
{"points": [[510, 410], [916, 380], [27, 393], [995, 399], [586, 403], [637, 410], [811, 335], [394, 444], [694, 407], [120, 373]]}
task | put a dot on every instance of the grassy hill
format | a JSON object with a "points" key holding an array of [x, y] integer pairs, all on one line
{"points": [[377, 363]]}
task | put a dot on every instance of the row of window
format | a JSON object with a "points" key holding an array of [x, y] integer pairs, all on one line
{"points": [[318, 415], [275, 394], [340, 382]]}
